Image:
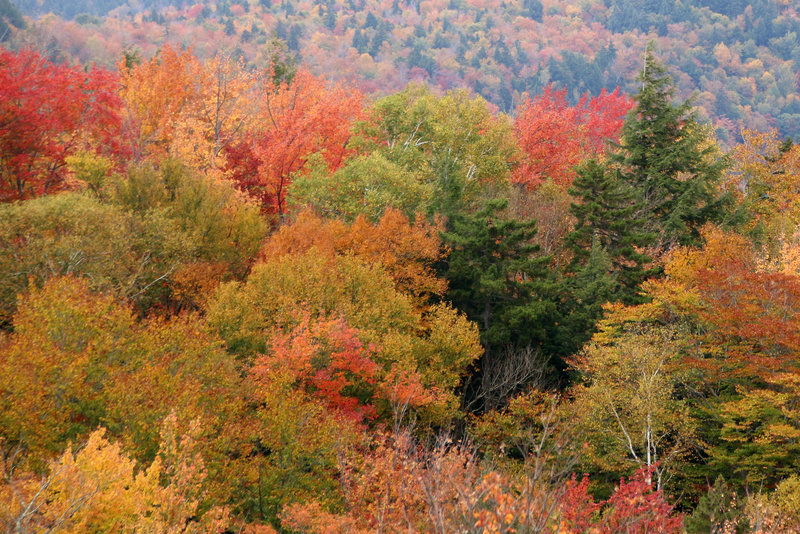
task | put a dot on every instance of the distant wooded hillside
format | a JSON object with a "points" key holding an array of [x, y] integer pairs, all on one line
{"points": [[741, 61]]}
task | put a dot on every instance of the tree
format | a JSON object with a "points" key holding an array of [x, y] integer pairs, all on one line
{"points": [[555, 137], [72, 234], [96, 487], [763, 178], [629, 404], [550, 205], [433, 345], [739, 366], [366, 185], [9, 17], [402, 486], [157, 95], [749, 309], [78, 359], [296, 119], [222, 112], [545, 129], [223, 224], [669, 160], [496, 279], [760, 430], [47, 112], [330, 347], [493, 274], [406, 251], [161, 238], [455, 145], [327, 359], [637, 507], [607, 223], [290, 447], [717, 511], [181, 107]]}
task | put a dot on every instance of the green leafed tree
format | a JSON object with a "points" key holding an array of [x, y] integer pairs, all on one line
{"points": [[366, 185], [608, 225], [670, 160], [454, 143], [72, 234], [497, 279]]}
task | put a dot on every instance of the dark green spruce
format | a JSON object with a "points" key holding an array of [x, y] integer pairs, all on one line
{"points": [[497, 278], [608, 238], [666, 156]]}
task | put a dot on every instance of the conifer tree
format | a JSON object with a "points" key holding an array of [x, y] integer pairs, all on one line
{"points": [[497, 279], [493, 273], [667, 157], [607, 225]]}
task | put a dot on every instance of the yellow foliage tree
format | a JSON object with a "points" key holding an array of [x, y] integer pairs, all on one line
{"points": [[97, 488], [765, 176], [77, 360], [405, 250]]}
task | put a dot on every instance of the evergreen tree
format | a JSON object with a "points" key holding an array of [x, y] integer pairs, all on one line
{"points": [[329, 20], [293, 41], [360, 41], [716, 510], [280, 62], [440, 41], [607, 223], [280, 30], [230, 29], [605, 57], [668, 158], [533, 9], [593, 284], [377, 41], [496, 278], [371, 21]]}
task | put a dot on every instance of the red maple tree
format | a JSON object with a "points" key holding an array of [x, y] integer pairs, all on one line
{"points": [[297, 119], [555, 137], [47, 112]]}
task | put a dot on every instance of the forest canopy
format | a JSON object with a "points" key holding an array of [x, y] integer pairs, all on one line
{"points": [[239, 295]]}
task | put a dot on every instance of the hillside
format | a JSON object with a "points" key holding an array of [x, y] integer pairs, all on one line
{"points": [[742, 61]]}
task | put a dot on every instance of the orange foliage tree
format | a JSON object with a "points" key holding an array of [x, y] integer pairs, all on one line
{"points": [[750, 311], [742, 320], [326, 358], [156, 94], [407, 251], [401, 486], [179, 106], [418, 346]]}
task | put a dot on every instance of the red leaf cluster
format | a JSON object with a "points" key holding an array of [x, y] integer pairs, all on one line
{"points": [[555, 137], [633, 508], [47, 112], [297, 120], [327, 359]]}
